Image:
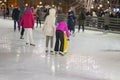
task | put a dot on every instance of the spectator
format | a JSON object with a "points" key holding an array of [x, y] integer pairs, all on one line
{"points": [[106, 21]]}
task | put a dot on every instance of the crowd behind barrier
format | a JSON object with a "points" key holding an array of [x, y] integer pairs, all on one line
{"points": [[90, 21]]}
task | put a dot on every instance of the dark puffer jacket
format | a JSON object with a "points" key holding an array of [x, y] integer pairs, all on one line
{"points": [[15, 14], [71, 21]]}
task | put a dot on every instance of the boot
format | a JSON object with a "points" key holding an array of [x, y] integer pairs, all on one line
{"points": [[46, 50], [21, 37], [51, 50], [61, 53], [32, 44]]}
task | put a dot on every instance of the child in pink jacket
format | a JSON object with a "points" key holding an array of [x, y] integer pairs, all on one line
{"points": [[28, 24], [61, 28]]}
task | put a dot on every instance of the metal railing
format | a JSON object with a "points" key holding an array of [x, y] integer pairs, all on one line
{"points": [[98, 22]]}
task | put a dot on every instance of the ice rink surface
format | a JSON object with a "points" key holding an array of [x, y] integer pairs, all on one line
{"points": [[92, 55]]}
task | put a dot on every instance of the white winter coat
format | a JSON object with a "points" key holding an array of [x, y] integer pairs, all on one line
{"points": [[49, 24]]}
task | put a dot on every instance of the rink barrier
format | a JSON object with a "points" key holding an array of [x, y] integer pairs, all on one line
{"points": [[98, 22]]}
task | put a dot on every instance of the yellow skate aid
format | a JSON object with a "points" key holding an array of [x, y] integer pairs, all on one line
{"points": [[65, 43]]}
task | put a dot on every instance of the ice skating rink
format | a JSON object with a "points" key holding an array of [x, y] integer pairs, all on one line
{"points": [[92, 55]]}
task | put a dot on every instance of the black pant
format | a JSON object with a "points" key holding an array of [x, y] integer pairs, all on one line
{"points": [[38, 20], [22, 31], [4, 16], [106, 27], [59, 41], [80, 27]]}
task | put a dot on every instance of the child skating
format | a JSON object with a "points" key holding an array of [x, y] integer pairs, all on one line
{"points": [[59, 44]]}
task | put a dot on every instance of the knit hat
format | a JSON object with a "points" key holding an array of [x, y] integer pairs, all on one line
{"points": [[60, 18], [29, 10]]}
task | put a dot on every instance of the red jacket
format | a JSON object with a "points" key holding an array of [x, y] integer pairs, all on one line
{"points": [[27, 20]]}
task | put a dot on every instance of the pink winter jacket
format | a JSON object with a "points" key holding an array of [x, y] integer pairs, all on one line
{"points": [[27, 20], [62, 26]]}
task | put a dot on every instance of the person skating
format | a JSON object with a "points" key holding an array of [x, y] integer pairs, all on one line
{"points": [[28, 23], [71, 21], [81, 19], [59, 44], [49, 28], [38, 18], [15, 17], [21, 14]]}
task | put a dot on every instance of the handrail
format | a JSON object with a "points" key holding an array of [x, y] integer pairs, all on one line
{"points": [[114, 23]]}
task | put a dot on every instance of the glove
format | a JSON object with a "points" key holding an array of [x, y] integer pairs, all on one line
{"points": [[68, 39]]}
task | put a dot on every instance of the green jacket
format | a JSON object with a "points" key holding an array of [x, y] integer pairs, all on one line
{"points": [[81, 18], [39, 14]]}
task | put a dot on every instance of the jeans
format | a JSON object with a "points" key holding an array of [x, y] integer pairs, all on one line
{"points": [[15, 21]]}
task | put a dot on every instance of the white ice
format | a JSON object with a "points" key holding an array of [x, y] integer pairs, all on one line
{"points": [[92, 55]]}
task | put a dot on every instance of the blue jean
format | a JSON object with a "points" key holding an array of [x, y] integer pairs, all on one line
{"points": [[15, 21]]}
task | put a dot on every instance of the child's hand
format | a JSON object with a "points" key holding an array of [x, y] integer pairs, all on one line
{"points": [[68, 39]]}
